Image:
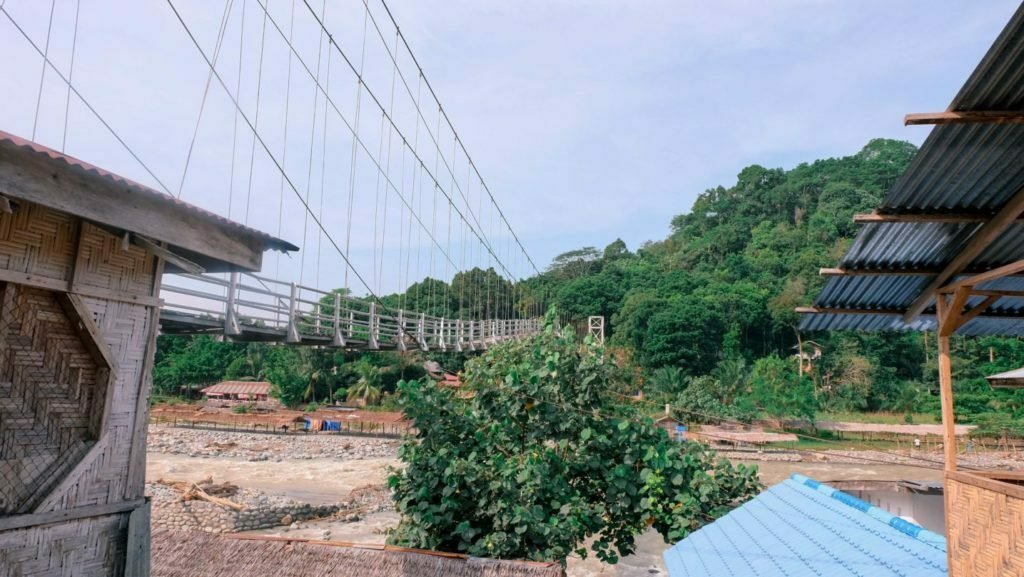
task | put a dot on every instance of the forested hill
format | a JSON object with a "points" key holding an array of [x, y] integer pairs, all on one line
{"points": [[725, 281], [708, 312]]}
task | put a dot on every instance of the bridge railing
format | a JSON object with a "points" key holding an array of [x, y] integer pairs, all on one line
{"points": [[252, 307]]}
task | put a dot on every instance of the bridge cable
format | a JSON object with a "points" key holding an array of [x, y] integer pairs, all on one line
{"points": [[312, 141], [85, 102], [465, 151], [323, 166], [355, 138], [234, 127], [228, 6], [252, 147], [378, 103], [71, 74], [42, 73]]}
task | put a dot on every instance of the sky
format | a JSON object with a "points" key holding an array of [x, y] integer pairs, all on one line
{"points": [[588, 121]]}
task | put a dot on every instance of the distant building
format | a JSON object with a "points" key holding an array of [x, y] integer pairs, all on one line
{"points": [[239, 391], [1009, 380]]}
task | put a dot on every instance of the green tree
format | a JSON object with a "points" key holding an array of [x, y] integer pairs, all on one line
{"points": [[780, 391], [533, 464], [368, 387]]}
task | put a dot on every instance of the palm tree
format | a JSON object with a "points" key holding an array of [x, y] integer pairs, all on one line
{"points": [[367, 388]]}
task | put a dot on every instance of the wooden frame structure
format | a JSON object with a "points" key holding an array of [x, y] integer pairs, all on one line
{"points": [[945, 252], [82, 254]]}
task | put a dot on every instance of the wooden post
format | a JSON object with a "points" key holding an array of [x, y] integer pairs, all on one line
{"points": [[946, 328]]}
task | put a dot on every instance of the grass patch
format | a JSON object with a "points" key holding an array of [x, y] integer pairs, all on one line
{"points": [[878, 418]]}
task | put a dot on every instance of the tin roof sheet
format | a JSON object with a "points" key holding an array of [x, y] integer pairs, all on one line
{"points": [[961, 168]]}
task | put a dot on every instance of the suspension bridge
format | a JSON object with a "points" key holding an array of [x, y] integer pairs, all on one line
{"points": [[312, 120]]}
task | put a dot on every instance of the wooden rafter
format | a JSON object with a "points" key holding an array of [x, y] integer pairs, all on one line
{"points": [[965, 117], [975, 311], [981, 239], [996, 273]]}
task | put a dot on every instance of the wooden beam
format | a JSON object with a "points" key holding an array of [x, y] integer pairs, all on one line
{"points": [[874, 218], [985, 292], [978, 309], [178, 261], [842, 311], [981, 239], [965, 117], [64, 515], [949, 320], [946, 390], [926, 271], [996, 273], [28, 176]]}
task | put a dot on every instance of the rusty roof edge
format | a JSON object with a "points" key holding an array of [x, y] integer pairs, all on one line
{"points": [[269, 241]]}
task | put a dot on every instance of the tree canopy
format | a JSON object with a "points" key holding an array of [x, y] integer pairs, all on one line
{"points": [[545, 455]]}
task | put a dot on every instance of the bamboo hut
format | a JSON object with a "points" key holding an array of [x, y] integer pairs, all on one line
{"points": [[186, 554], [82, 252]]}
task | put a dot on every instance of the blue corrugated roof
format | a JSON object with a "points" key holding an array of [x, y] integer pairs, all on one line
{"points": [[802, 528]]}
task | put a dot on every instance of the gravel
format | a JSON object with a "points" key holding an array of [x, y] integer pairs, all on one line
{"points": [[265, 447]]}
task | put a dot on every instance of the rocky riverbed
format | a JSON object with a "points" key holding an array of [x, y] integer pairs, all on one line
{"points": [[266, 447]]}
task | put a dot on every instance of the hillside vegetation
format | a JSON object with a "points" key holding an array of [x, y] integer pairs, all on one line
{"points": [[705, 314]]}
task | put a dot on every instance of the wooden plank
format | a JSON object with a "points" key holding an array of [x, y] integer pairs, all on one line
{"points": [[981, 239], [33, 280], [946, 390], [965, 117], [139, 544], [109, 295], [64, 515], [988, 483], [32, 177]]}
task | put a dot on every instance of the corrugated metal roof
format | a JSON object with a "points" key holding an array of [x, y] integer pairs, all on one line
{"points": [[238, 388], [801, 527], [961, 168], [268, 241], [1014, 374]]}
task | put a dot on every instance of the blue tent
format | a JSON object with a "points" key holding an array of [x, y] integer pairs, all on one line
{"points": [[802, 528]]}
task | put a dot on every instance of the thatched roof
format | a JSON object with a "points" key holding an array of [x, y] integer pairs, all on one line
{"points": [[195, 554]]}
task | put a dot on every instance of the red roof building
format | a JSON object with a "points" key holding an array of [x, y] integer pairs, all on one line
{"points": [[239, 391]]}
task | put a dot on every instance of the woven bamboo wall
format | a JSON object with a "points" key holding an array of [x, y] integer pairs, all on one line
{"points": [[985, 527], [50, 256]]}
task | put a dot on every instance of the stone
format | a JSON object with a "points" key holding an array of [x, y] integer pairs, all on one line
{"points": [[286, 520]]}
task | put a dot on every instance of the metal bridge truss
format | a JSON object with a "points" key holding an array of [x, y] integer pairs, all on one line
{"points": [[253, 308]]}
